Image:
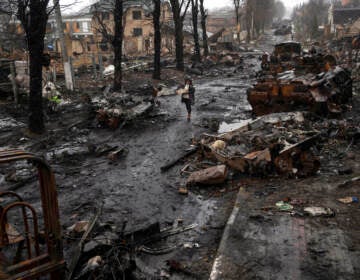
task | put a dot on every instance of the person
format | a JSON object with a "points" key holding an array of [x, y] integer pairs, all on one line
{"points": [[155, 93], [187, 93]]}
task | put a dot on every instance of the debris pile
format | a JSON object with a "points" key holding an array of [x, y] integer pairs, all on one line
{"points": [[210, 63], [292, 82], [119, 108], [273, 143]]}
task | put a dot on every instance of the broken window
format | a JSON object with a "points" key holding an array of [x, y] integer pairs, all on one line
{"points": [[137, 32], [136, 15]]}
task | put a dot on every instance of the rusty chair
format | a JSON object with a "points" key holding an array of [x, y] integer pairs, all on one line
{"points": [[37, 263]]}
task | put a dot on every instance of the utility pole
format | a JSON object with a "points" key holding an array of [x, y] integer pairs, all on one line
{"points": [[60, 34]]}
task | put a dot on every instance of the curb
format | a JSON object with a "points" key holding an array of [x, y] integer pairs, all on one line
{"points": [[215, 273]]}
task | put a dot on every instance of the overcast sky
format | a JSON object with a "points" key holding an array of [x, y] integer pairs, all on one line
{"points": [[210, 4], [220, 3]]}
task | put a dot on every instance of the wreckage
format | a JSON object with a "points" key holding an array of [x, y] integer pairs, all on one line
{"points": [[290, 82], [116, 109], [38, 252], [273, 143]]}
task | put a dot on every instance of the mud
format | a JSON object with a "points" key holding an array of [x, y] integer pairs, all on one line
{"points": [[133, 189]]}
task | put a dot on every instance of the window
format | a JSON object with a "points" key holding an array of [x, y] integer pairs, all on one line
{"points": [[85, 26], [136, 14], [105, 16], [137, 32]]}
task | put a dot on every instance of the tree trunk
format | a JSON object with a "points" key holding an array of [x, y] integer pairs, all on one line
{"points": [[195, 13], [179, 36], [36, 116], [179, 45], [35, 33], [237, 23], [117, 43], [157, 39], [203, 26]]}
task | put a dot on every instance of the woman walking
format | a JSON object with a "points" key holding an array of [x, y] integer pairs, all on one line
{"points": [[187, 93]]}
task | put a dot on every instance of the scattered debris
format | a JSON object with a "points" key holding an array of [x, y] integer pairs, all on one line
{"points": [[115, 155], [349, 182], [183, 191], [79, 227], [210, 176], [79, 248], [91, 265], [284, 206], [113, 117], [273, 142], [349, 199], [218, 145], [319, 211], [189, 245]]}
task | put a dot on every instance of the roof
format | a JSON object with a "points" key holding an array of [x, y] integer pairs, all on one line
{"points": [[107, 5], [346, 15]]}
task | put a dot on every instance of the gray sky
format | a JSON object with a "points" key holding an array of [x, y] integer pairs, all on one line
{"points": [[210, 4], [220, 3]]}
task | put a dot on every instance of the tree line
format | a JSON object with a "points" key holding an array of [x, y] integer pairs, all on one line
{"points": [[308, 16], [258, 15], [34, 14]]}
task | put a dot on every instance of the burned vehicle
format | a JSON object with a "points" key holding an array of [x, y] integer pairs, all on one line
{"points": [[292, 80], [283, 30]]}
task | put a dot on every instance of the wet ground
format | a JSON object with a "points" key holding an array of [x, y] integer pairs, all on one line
{"points": [[133, 188]]}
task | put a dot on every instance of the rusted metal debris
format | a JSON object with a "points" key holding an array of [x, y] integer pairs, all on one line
{"points": [[276, 143], [38, 261], [291, 81]]}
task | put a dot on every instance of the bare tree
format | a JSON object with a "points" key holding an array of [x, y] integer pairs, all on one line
{"points": [[33, 15], [203, 27], [117, 43], [195, 13], [112, 33], [237, 4], [157, 39], [259, 13], [179, 9]]}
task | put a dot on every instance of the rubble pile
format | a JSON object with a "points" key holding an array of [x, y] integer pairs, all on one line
{"points": [[116, 109], [292, 82], [208, 65], [276, 143]]}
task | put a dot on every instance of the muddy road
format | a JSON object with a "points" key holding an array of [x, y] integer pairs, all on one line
{"points": [[133, 189]]}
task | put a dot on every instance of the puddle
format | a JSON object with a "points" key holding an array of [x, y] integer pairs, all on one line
{"points": [[227, 127]]}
